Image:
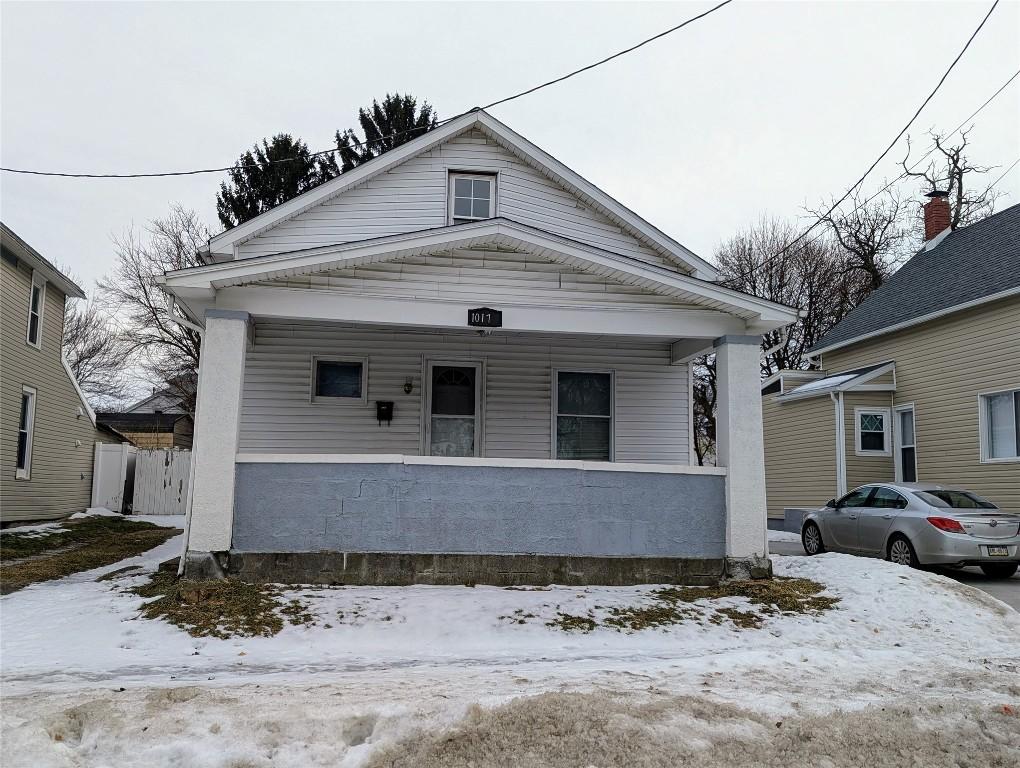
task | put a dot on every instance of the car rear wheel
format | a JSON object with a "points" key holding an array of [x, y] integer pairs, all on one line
{"points": [[811, 538], [901, 552], [1000, 570]]}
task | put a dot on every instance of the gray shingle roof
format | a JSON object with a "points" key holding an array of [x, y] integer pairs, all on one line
{"points": [[969, 264]]}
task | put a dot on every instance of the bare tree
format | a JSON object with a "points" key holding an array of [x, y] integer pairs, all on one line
{"points": [[951, 171], [166, 351], [95, 352], [704, 400], [871, 232], [816, 277]]}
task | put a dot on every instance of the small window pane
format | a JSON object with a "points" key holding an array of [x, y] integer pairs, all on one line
{"points": [[480, 209], [461, 206], [582, 439], [480, 188], [872, 441], [26, 400], [33, 328], [22, 449], [334, 379], [36, 293], [906, 427], [909, 461], [587, 394], [871, 422], [461, 187]]}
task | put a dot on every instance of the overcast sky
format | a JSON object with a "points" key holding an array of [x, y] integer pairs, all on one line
{"points": [[761, 108]]}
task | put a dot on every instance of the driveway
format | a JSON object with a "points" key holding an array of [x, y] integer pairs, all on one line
{"points": [[1006, 590]]}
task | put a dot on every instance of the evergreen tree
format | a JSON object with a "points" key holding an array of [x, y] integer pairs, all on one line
{"points": [[270, 174], [396, 114]]}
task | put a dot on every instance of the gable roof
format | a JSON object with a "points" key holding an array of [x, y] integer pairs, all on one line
{"points": [[34, 259], [224, 243], [969, 266], [204, 280]]}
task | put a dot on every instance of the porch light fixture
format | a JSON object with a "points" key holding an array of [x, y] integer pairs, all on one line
{"points": [[408, 385]]}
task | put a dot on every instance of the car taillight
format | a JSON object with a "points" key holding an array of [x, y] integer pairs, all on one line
{"points": [[947, 524]]}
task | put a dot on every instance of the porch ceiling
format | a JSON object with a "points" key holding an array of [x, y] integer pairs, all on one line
{"points": [[201, 285]]}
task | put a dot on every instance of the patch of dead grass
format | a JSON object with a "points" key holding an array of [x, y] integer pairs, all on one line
{"points": [[83, 545], [221, 609]]}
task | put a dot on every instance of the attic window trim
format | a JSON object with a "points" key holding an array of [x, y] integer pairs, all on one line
{"points": [[451, 197]]}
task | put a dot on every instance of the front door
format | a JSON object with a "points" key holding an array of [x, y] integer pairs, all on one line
{"points": [[453, 424]]}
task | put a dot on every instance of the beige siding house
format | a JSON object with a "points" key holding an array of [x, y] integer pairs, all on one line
{"points": [[462, 361], [919, 383], [47, 430]]}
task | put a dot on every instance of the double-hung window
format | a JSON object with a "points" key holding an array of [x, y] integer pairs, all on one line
{"points": [[26, 427], [584, 415], [1000, 426], [36, 301], [472, 197], [871, 428]]}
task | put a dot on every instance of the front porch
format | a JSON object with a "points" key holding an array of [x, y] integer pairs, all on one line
{"points": [[353, 428]]}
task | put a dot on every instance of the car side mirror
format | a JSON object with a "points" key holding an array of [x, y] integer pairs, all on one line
{"points": [[831, 503]]}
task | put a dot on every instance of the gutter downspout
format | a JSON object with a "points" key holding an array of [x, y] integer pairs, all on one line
{"points": [[837, 400], [184, 322]]}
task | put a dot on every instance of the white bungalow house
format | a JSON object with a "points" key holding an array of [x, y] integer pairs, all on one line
{"points": [[462, 362]]}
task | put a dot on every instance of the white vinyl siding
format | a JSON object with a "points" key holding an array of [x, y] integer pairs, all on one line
{"points": [[651, 415], [480, 277], [414, 196]]}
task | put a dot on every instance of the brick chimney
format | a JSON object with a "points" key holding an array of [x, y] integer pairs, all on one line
{"points": [[936, 214]]}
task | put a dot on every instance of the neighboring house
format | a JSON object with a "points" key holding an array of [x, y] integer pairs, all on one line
{"points": [[919, 382], [47, 430], [160, 420], [463, 362]]}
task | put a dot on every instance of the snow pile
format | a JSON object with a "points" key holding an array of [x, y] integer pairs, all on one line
{"points": [[31, 531], [785, 536], [95, 512]]}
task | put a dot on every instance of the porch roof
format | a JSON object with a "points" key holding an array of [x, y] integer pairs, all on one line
{"points": [[856, 379], [199, 284]]}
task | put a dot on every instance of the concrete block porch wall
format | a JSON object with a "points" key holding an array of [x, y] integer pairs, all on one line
{"points": [[416, 520]]}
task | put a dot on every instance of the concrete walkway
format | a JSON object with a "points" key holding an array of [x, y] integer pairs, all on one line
{"points": [[1006, 590]]}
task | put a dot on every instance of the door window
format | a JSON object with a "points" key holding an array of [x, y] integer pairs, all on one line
{"points": [[453, 418]]}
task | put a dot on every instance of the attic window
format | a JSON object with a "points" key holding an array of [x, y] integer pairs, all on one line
{"points": [[472, 197]]}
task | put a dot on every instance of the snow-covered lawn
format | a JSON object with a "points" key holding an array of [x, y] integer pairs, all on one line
{"points": [[784, 536], [88, 682]]}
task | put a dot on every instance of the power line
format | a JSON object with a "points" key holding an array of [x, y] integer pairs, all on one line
{"points": [[361, 144], [850, 191], [1003, 175], [921, 159]]}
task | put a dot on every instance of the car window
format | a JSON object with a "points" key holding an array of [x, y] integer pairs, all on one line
{"points": [[887, 498], [856, 498], [954, 499]]}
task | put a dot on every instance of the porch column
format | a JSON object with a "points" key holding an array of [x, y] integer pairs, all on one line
{"points": [[217, 423], [740, 447]]}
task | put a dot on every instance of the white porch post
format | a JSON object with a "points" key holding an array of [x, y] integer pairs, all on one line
{"points": [[739, 444], [217, 422]]}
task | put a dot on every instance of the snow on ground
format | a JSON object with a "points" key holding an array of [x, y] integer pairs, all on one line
{"points": [[783, 536], [31, 531], [79, 663]]}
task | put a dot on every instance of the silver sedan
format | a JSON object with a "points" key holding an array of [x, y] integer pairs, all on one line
{"points": [[917, 524]]}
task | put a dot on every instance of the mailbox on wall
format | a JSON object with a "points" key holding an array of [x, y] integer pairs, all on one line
{"points": [[384, 411]]}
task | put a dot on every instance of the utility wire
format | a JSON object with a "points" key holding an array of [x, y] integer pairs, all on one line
{"points": [[850, 191], [921, 159], [1003, 175], [361, 144]]}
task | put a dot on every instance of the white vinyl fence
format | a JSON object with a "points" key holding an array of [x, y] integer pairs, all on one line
{"points": [[113, 472], [161, 482]]}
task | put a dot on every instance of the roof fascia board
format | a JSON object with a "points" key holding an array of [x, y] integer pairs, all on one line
{"points": [[461, 235], [918, 320], [41, 264]]}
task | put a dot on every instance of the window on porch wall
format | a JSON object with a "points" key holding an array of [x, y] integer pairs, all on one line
{"points": [[584, 415]]}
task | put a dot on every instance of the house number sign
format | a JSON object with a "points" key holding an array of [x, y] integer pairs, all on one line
{"points": [[485, 317]]}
